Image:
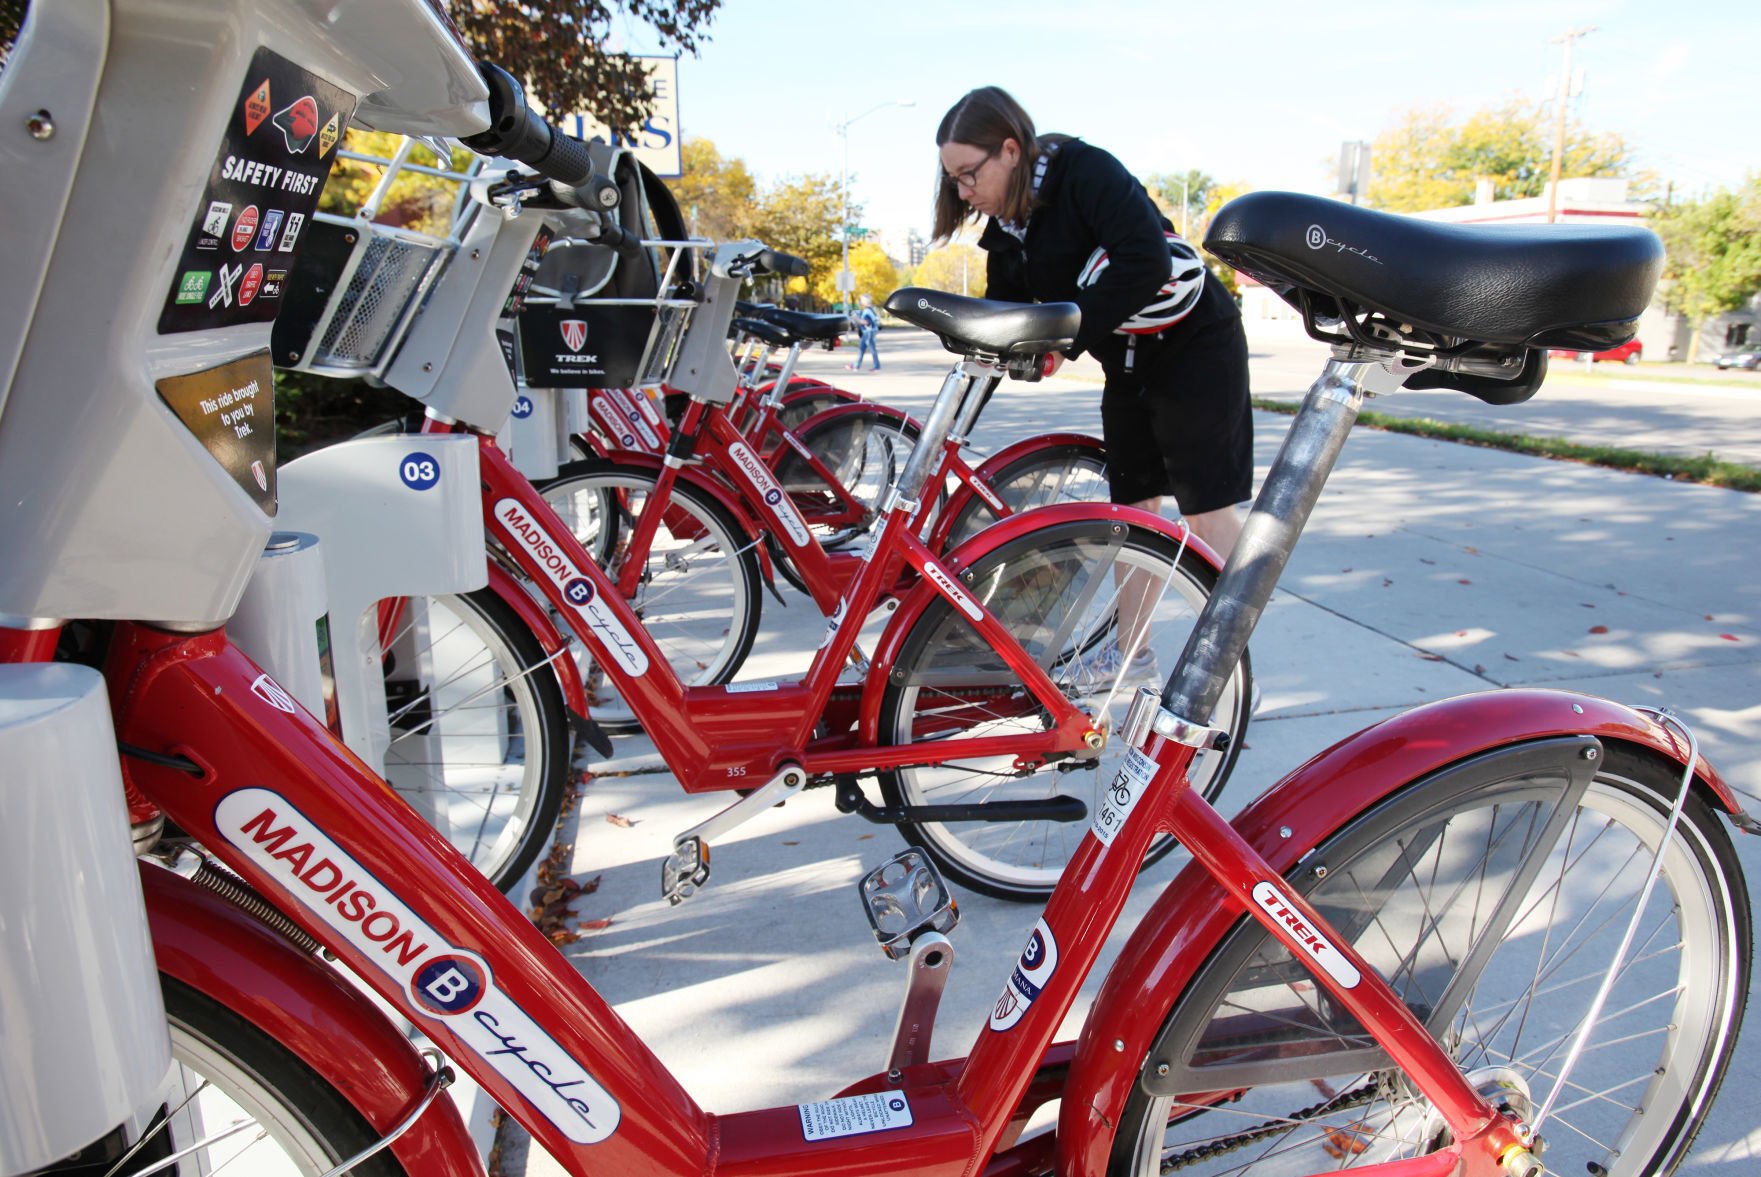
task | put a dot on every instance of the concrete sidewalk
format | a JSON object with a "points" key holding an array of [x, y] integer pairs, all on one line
{"points": [[1428, 570]]}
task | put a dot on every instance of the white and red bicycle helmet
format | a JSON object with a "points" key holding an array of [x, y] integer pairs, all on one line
{"points": [[1172, 302]]}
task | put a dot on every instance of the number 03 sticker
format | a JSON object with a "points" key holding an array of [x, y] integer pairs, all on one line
{"points": [[419, 471], [1115, 804]]}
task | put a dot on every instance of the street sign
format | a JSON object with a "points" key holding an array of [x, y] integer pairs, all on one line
{"points": [[846, 281], [856, 230]]}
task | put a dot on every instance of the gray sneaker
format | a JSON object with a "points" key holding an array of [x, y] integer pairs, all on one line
{"points": [[1101, 667]]}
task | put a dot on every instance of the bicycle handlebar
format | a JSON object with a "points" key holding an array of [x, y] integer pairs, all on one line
{"points": [[774, 261], [517, 132]]}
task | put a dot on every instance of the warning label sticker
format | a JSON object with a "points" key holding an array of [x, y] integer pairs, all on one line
{"points": [[854, 1115]]}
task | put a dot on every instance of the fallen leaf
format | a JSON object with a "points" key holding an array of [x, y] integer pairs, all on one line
{"points": [[1422, 560], [1342, 571], [1461, 633], [1729, 637], [1512, 658], [1657, 674], [1598, 629], [1386, 582], [865, 837], [1478, 669], [564, 937], [1585, 605], [1429, 657], [1709, 617], [591, 885], [791, 843], [619, 820], [1472, 551], [595, 925], [1464, 581]]}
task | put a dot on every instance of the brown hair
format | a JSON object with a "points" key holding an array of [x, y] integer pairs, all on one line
{"points": [[985, 118]]}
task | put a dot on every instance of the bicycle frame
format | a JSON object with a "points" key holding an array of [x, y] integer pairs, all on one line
{"points": [[714, 737]]}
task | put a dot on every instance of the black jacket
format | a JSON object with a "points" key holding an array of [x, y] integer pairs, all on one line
{"points": [[1086, 200]]}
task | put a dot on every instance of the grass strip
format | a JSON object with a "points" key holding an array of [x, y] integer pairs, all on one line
{"points": [[1709, 470]]}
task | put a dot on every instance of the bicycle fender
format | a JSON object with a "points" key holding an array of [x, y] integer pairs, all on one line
{"points": [[1192, 914], [986, 471], [235, 960], [918, 599], [533, 616], [710, 485], [857, 407]]}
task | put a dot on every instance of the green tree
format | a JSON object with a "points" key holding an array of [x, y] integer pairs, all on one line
{"points": [[1714, 254], [801, 216], [1170, 190], [558, 48], [715, 193], [1427, 160], [415, 201], [957, 268]]}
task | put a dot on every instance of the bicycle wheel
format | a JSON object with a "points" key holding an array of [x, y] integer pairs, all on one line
{"points": [[698, 596], [1062, 473], [479, 735], [268, 1114], [1059, 591], [1413, 883], [803, 402], [864, 451]]}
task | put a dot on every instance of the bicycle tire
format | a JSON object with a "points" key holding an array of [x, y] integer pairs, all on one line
{"points": [[225, 1071], [480, 738], [699, 598], [804, 400], [1059, 473], [1056, 589], [865, 451], [1406, 875]]}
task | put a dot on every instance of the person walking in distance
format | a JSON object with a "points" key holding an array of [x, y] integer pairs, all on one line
{"points": [[867, 333], [1065, 222]]}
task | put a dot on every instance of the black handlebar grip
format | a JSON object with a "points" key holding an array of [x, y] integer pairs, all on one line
{"points": [[778, 262], [517, 133]]}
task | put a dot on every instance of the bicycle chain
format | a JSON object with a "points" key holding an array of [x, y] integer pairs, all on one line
{"points": [[1228, 1144]]}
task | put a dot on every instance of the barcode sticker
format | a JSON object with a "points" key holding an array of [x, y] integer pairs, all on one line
{"points": [[1116, 802]]}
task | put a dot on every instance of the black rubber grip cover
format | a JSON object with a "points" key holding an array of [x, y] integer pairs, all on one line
{"points": [[517, 133], [778, 262]]}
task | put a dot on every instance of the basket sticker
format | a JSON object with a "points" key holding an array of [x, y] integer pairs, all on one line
{"points": [[1116, 803], [1329, 958], [230, 409], [443, 984], [263, 185], [854, 1115], [1038, 961], [577, 588], [747, 688]]}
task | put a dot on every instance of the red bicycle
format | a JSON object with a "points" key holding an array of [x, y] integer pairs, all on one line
{"points": [[1495, 936]]}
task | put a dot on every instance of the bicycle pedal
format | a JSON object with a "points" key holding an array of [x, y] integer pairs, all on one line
{"points": [[905, 897], [685, 870]]}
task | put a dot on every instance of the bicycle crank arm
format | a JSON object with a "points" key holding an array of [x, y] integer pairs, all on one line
{"points": [[687, 867], [1061, 808]]}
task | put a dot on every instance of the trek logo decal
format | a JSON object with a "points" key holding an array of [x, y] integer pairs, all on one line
{"points": [[446, 984], [1038, 961], [951, 589], [758, 474], [576, 587], [990, 497], [271, 692], [1331, 960], [1115, 805], [797, 445], [609, 414], [854, 1115], [574, 333], [626, 405]]}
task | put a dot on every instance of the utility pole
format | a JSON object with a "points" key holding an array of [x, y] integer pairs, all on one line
{"points": [[846, 284], [1560, 97]]}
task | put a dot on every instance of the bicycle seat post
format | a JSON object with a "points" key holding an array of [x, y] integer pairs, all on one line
{"points": [[961, 378], [1288, 495]]}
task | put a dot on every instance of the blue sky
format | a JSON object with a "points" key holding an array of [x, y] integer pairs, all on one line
{"points": [[1261, 91]]}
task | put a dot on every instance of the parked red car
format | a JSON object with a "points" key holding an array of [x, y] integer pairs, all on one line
{"points": [[1627, 353]]}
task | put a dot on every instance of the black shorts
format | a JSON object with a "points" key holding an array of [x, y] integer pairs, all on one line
{"points": [[1180, 423]]}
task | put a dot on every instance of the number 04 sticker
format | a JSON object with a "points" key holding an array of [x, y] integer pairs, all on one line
{"points": [[1115, 804]]}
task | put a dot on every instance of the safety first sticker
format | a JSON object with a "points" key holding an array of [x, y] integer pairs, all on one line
{"points": [[854, 1115]]}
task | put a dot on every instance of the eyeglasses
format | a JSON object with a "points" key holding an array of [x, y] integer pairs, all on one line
{"points": [[969, 177]]}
